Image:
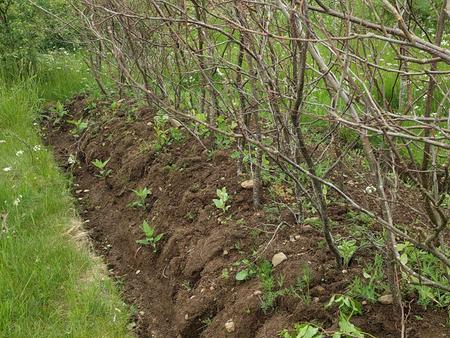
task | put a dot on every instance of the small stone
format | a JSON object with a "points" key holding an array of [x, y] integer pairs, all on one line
{"points": [[278, 258], [344, 271], [307, 228], [257, 293], [174, 123], [386, 299], [202, 290], [248, 184], [225, 252], [141, 313], [364, 302], [86, 190], [78, 191], [297, 237], [186, 316], [316, 299], [291, 238], [230, 326], [138, 272]]}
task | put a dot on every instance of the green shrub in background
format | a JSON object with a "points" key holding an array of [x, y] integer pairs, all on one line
{"points": [[28, 28]]}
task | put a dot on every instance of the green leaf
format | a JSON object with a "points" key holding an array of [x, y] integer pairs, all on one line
{"points": [[218, 203], [404, 258], [242, 275], [143, 241], [311, 332]]}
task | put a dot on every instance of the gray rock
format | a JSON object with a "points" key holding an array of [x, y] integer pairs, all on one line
{"points": [[386, 299], [278, 258], [230, 326], [248, 184]]}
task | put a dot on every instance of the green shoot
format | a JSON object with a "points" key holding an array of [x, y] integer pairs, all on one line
{"points": [[346, 304], [347, 249], [221, 201], [101, 167], [150, 237], [141, 196], [79, 127]]}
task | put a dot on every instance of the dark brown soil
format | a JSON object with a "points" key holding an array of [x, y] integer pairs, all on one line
{"points": [[181, 291]]}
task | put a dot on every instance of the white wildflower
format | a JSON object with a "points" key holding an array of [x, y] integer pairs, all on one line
{"points": [[6, 169], [2, 141], [17, 201], [71, 159], [370, 189], [37, 147], [19, 153]]}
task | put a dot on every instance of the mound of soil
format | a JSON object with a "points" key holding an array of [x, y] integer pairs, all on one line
{"points": [[188, 287]]}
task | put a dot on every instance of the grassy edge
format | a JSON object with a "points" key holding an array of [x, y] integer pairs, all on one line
{"points": [[51, 284]]}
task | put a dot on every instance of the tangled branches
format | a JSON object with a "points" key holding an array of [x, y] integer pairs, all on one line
{"points": [[325, 89]]}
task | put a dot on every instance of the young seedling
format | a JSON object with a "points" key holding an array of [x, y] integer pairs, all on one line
{"points": [[101, 167], [59, 111], [346, 304], [141, 196], [221, 201], [301, 289], [347, 249], [150, 237], [79, 127]]}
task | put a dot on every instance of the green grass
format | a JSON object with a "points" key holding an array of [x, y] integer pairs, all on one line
{"points": [[50, 285]]}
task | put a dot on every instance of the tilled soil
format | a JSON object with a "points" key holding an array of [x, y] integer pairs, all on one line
{"points": [[188, 287]]}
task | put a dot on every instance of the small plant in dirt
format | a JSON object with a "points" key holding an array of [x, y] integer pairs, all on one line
{"points": [[150, 236], [309, 330], [101, 167], [248, 271], [115, 105], [304, 330], [59, 112], [78, 127], [190, 216], [271, 288], [347, 248], [140, 197], [221, 140], [222, 198], [301, 288], [225, 273], [348, 307], [164, 136], [198, 128], [431, 268], [370, 287]]}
